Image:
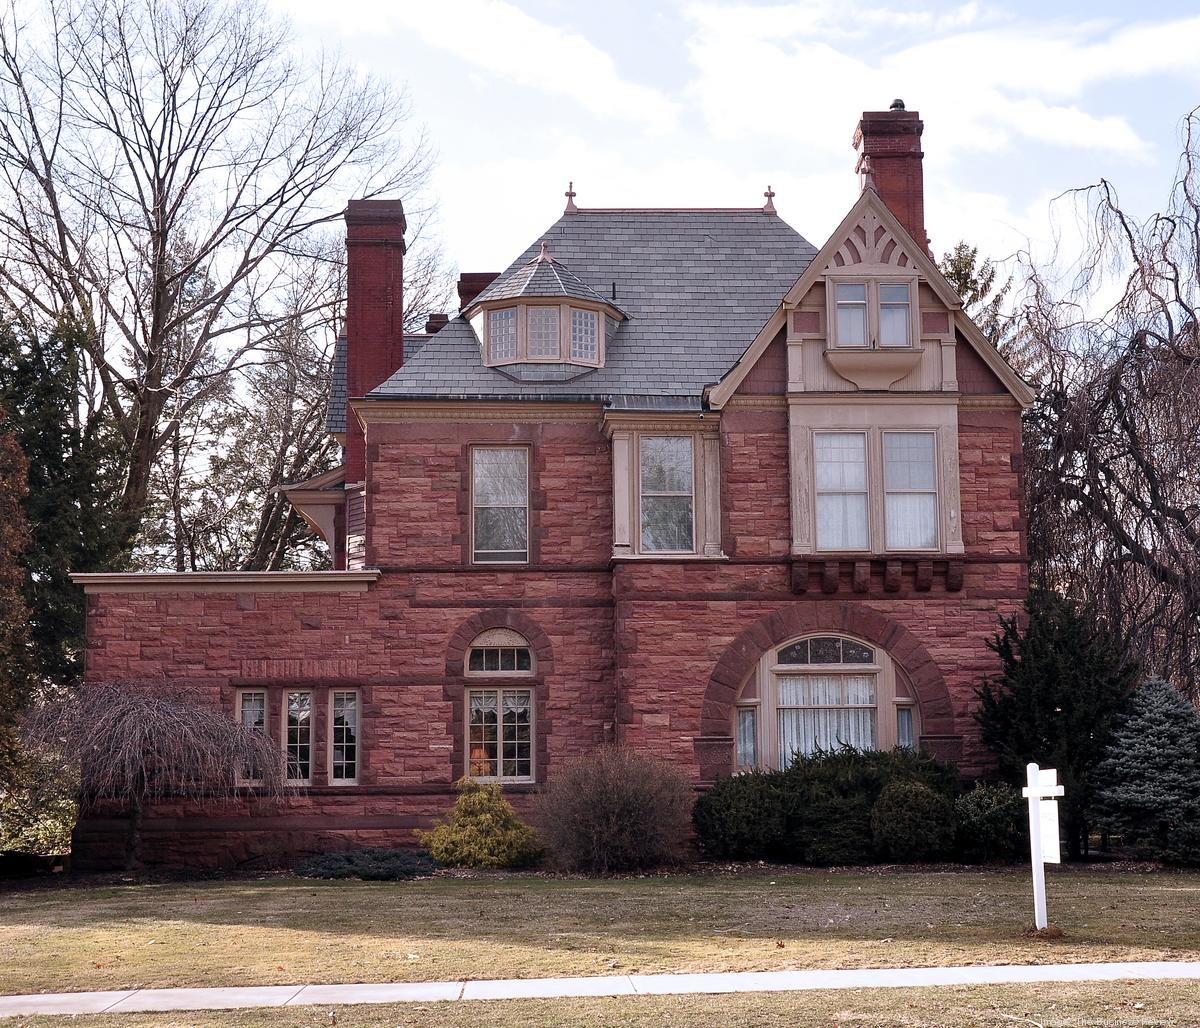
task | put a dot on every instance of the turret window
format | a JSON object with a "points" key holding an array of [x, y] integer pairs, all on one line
{"points": [[543, 332], [584, 346], [502, 334]]}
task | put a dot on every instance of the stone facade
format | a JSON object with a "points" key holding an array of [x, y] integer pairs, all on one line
{"points": [[648, 649]]}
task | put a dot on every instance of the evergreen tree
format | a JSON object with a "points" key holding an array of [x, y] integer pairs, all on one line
{"points": [[975, 282], [74, 481], [16, 678], [1148, 785], [1063, 683]]}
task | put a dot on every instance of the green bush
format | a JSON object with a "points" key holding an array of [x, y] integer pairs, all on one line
{"points": [[742, 818], [615, 809], [991, 825], [911, 823], [818, 811], [372, 864], [482, 830]]}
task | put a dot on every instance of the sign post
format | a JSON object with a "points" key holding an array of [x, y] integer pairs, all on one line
{"points": [[1041, 789]]}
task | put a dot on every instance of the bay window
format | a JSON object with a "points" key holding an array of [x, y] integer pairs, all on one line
{"points": [[502, 334], [871, 314], [585, 347], [500, 504], [543, 332]]}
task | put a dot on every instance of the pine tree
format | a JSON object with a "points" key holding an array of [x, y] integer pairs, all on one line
{"points": [[74, 482], [1063, 683], [1148, 785]]}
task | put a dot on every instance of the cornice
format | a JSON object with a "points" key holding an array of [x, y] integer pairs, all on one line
{"points": [[228, 582], [706, 422], [376, 411]]}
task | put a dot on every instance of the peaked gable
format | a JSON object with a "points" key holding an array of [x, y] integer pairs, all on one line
{"points": [[871, 238]]}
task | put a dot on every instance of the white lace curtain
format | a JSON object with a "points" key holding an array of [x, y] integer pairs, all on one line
{"points": [[824, 712]]}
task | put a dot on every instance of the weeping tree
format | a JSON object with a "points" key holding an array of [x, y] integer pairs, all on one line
{"points": [[136, 744], [1113, 443]]}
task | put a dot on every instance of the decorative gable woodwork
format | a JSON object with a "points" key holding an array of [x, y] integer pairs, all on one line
{"points": [[871, 242]]}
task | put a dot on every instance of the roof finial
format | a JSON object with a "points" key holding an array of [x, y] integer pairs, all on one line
{"points": [[769, 206], [867, 172], [570, 195], [544, 256]]}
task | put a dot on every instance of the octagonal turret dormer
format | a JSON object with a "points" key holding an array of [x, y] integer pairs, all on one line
{"points": [[542, 314]]}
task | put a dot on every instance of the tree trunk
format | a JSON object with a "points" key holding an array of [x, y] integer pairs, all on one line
{"points": [[133, 838]]}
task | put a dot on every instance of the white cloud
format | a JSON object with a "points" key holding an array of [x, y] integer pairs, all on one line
{"points": [[498, 38]]}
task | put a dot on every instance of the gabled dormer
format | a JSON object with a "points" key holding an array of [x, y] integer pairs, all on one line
{"points": [[542, 314]]}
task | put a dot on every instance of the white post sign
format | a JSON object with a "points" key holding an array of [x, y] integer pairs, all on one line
{"points": [[1041, 790]]}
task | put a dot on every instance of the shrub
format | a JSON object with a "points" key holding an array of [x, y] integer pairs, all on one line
{"points": [[741, 818], [482, 830], [818, 811], [615, 810], [991, 824], [911, 823], [1149, 780], [372, 864]]}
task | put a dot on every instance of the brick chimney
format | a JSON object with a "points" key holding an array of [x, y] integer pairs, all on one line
{"points": [[374, 309], [891, 140], [471, 284]]}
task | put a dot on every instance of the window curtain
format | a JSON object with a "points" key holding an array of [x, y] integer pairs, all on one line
{"points": [[825, 712]]}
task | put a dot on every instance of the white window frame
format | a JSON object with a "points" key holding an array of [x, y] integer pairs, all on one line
{"points": [[866, 491], [500, 778], [890, 697], [285, 738], [936, 491], [475, 558], [333, 694], [640, 493], [872, 284], [241, 778]]}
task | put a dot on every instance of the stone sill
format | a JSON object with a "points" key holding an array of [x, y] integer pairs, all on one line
{"points": [[669, 558], [228, 582]]}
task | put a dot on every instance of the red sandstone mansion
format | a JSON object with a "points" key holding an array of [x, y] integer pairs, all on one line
{"points": [[675, 478]]}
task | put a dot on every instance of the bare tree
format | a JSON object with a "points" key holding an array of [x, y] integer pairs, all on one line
{"points": [[1113, 444], [139, 743], [164, 165]]}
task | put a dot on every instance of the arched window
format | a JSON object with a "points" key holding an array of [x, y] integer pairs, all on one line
{"points": [[821, 693], [499, 721]]}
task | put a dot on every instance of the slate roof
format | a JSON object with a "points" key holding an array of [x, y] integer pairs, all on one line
{"points": [[335, 408], [696, 285], [541, 277]]}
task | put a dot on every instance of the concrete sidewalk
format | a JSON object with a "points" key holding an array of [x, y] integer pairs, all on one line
{"points": [[130, 1001]]}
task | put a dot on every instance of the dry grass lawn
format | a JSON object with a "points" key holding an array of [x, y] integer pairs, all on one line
{"points": [[285, 930], [1095, 1005]]}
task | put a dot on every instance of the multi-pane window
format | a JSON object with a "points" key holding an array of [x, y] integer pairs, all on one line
{"points": [[895, 321], [500, 659], [502, 334], [500, 498], [298, 736], [819, 694], [910, 490], [584, 336], [343, 726], [500, 734], [840, 461], [252, 712], [851, 313], [543, 332], [667, 495]]}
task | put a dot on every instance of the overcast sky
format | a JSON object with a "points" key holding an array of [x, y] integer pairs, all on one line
{"points": [[705, 103]]}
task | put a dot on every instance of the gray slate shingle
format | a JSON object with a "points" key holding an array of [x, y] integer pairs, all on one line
{"points": [[696, 285]]}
